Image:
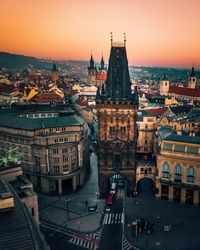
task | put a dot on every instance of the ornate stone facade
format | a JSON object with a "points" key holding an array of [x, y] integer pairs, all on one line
{"points": [[178, 164], [117, 110], [54, 142]]}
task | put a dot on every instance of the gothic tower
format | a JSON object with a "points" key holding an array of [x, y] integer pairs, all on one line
{"points": [[192, 80], [54, 73], [92, 72], [116, 109]]}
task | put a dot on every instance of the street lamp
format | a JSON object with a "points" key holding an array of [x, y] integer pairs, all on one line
{"points": [[67, 200], [97, 195]]}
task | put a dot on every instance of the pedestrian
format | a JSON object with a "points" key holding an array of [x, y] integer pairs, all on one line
{"points": [[86, 202]]}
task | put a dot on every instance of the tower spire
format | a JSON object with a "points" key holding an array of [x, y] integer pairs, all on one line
{"points": [[111, 38], [124, 39]]}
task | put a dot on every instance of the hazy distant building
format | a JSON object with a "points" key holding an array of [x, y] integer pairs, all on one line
{"points": [[181, 93]]}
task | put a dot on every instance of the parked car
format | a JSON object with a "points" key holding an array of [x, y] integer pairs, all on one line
{"points": [[92, 207]]}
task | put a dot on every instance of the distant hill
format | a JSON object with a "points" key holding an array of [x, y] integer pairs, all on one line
{"points": [[20, 62]]}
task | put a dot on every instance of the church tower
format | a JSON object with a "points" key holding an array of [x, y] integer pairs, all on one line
{"points": [[164, 85], [192, 80], [92, 72], [54, 73], [117, 109]]}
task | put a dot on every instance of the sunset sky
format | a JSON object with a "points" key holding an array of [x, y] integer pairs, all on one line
{"points": [[159, 32]]}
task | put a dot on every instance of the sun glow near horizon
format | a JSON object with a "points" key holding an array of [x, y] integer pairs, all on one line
{"points": [[159, 33]]}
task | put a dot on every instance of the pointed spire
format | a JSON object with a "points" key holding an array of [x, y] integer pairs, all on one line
{"points": [[102, 63], [192, 74], [111, 38], [124, 39], [164, 77], [54, 67], [91, 66]]}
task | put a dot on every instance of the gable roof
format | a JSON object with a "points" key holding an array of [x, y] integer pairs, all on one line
{"points": [[158, 111], [184, 91]]}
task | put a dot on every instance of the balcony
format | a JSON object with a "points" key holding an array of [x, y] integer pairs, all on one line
{"points": [[166, 175], [180, 184]]}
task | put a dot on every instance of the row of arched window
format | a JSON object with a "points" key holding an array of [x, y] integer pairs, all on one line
{"points": [[178, 173]]}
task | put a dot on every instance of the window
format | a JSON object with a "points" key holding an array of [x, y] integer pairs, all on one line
{"points": [[145, 142], [165, 171], [64, 150], [177, 173], [56, 160], [65, 168], [190, 174], [122, 131], [55, 151], [56, 168], [112, 131], [65, 158]]}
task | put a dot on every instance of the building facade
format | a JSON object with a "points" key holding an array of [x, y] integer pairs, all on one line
{"points": [[54, 142], [116, 111], [181, 93], [146, 124], [178, 165]]}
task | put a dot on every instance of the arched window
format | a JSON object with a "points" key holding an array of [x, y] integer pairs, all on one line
{"points": [[190, 174], [165, 171], [177, 173]]}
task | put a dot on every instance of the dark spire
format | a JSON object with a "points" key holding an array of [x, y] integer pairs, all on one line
{"points": [[118, 81], [111, 38], [54, 68], [164, 77], [124, 39], [102, 67], [91, 66], [192, 74]]}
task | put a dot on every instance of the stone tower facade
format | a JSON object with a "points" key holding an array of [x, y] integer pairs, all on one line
{"points": [[192, 80], [164, 85], [54, 73], [117, 109]]}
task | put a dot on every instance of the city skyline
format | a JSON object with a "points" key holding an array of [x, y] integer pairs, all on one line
{"points": [[159, 33]]}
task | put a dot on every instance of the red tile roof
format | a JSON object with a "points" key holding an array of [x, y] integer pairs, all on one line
{"points": [[184, 91], [47, 97], [158, 111], [101, 76]]}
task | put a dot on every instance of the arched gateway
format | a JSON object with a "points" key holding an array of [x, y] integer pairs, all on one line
{"points": [[117, 108]]}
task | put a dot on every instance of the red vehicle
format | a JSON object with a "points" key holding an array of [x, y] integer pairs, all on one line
{"points": [[110, 199]]}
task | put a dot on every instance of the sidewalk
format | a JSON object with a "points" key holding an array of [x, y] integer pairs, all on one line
{"points": [[183, 219], [73, 215]]}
